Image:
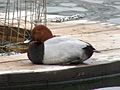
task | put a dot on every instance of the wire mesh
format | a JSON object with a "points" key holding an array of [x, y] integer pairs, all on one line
{"points": [[17, 18]]}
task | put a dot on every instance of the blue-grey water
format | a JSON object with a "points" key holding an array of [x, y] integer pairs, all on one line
{"points": [[100, 10]]}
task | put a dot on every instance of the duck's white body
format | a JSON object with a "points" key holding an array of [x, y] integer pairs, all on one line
{"points": [[63, 49], [60, 50]]}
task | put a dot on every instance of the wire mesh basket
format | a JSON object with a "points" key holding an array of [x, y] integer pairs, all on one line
{"points": [[17, 18]]}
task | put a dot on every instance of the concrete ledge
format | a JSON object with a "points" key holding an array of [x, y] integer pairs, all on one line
{"points": [[45, 78]]}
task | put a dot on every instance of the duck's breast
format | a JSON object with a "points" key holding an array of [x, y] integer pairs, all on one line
{"points": [[36, 53]]}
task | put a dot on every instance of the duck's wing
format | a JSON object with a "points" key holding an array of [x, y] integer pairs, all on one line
{"points": [[64, 51], [65, 40]]}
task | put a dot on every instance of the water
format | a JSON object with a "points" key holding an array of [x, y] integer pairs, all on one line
{"points": [[68, 4], [62, 9], [94, 1], [114, 20], [97, 10], [117, 3]]}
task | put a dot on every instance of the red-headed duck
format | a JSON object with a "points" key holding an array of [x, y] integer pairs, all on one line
{"points": [[41, 33], [47, 49]]}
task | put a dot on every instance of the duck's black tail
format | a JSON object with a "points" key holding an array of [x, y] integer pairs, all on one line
{"points": [[96, 51]]}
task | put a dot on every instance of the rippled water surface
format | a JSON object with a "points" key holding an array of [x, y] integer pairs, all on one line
{"points": [[100, 10]]}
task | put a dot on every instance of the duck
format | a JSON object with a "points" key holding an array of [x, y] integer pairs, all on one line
{"points": [[46, 48]]}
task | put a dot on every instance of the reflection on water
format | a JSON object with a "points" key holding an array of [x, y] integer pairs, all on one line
{"points": [[62, 9], [68, 4], [94, 1], [117, 2], [115, 20]]}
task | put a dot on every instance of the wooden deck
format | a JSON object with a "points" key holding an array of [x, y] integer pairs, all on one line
{"points": [[18, 71]]}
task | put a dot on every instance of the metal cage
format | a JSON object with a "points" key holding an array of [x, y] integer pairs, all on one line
{"points": [[17, 18]]}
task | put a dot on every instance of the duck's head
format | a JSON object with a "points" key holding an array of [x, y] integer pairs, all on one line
{"points": [[41, 33]]}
